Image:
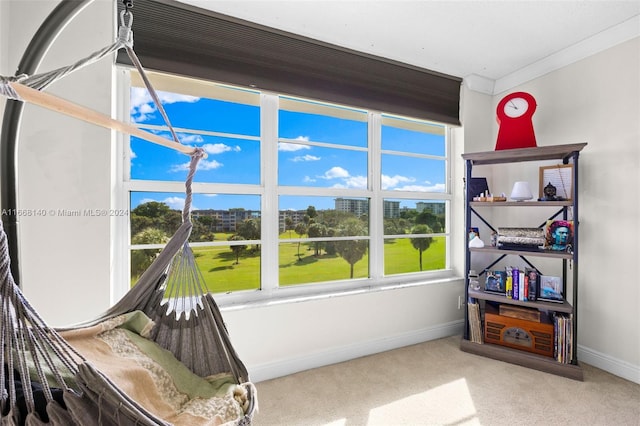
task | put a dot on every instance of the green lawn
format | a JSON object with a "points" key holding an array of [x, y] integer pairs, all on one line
{"points": [[222, 274]]}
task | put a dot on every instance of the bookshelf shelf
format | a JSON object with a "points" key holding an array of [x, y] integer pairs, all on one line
{"points": [[525, 359], [516, 351], [539, 253], [521, 203], [564, 307]]}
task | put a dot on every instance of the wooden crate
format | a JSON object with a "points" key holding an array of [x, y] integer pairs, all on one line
{"points": [[530, 336]]}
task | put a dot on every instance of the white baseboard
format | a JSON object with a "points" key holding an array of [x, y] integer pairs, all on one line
{"points": [[609, 364], [284, 367]]}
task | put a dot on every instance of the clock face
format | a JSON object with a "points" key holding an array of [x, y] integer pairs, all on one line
{"points": [[516, 107]]}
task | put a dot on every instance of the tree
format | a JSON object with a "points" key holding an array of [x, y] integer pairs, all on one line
{"points": [[312, 212], [421, 243], [288, 225], [249, 229], [316, 230], [301, 229], [352, 250], [153, 209], [333, 218], [142, 259], [154, 214], [237, 249], [425, 217]]}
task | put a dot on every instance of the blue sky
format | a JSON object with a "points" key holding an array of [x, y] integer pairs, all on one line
{"points": [[233, 159]]}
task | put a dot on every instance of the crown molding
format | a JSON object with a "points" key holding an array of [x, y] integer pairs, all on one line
{"points": [[478, 83], [597, 43]]}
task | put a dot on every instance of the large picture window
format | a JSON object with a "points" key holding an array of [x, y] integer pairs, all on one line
{"points": [[294, 193]]}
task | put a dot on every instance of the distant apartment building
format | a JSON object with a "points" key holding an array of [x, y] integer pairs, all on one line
{"points": [[354, 206], [432, 207], [226, 220], [296, 217], [391, 209], [359, 207]]}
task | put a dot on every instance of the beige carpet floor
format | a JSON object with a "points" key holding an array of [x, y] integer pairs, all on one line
{"points": [[434, 383]]}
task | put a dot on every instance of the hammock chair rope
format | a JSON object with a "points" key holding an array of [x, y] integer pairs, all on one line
{"points": [[42, 368]]}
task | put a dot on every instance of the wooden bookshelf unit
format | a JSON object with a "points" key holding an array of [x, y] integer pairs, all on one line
{"points": [[566, 364]]}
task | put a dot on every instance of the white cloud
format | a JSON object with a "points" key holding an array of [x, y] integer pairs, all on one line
{"points": [[219, 148], [189, 139], [202, 165], [209, 165], [439, 187], [347, 181], [308, 179], [358, 182], [132, 154], [142, 105], [393, 181], [175, 203], [335, 173], [292, 147], [173, 98], [305, 158]]}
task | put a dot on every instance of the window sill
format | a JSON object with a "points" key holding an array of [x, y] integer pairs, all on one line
{"points": [[280, 296]]}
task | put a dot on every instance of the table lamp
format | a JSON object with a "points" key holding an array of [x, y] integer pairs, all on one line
{"points": [[521, 191]]}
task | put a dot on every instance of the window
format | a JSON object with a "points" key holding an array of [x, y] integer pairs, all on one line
{"points": [[295, 195]]}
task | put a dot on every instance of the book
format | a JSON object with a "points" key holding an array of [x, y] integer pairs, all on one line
{"points": [[532, 275], [520, 312], [515, 276], [475, 323], [509, 283]]}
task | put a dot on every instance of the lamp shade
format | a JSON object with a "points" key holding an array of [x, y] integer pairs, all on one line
{"points": [[521, 191]]}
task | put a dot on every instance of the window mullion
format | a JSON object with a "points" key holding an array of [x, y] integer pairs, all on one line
{"points": [[376, 226], [120, 199], [269, 172]]}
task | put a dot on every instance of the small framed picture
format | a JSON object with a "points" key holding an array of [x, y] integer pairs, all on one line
{"points": [[495, 281], [556, 182], [477, 187], [558, 235], [551, 288]]}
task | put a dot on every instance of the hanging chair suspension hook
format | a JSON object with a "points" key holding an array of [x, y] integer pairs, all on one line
{"points": [[125, 34], [128, 5]]}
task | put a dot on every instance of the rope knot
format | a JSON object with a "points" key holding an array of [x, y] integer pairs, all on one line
{"points": [[6, 89], [125, 34], [198, 153]]}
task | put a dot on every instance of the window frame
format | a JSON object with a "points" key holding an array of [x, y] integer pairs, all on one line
{"points": [[269, 191]]}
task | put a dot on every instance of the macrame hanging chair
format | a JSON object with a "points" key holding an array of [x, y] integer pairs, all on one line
{"points": [[161, 355]]}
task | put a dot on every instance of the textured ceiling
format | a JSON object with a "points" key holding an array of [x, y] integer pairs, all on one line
{"points": [[489, 39]]}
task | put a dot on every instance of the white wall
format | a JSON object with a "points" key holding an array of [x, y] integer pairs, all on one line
{"points": [[66, 261], [64, 164]]}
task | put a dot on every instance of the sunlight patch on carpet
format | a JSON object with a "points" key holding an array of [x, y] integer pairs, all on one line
{"points": [[450, 403]]}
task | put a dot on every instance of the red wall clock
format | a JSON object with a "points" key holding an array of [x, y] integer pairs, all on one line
{"points": [[515, 128]]}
